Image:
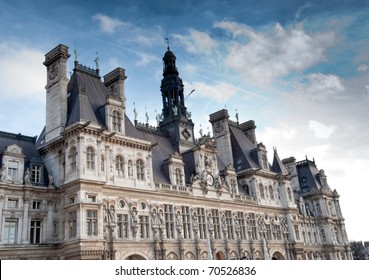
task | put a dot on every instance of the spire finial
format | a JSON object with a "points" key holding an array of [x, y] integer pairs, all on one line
{"points": [[134, 111], [76, 54], [146, 115], [167, 41], [97, 60]]}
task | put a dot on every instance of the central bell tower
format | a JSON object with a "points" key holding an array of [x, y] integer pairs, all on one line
{"points": [[176, 120]]}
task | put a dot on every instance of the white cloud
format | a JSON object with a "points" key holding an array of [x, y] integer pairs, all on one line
{"points": [[22, 74], [301, 9], [363, 68], [220, 91], [108, 24], [319, 86], [267, 56], [196, 42], [320, 130]]}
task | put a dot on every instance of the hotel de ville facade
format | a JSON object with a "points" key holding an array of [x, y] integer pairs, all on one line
{"points": [[97, 185]]}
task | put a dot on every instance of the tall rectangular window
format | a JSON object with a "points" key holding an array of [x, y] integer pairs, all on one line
{"points": [[241, 223], [144, 226], [169, 224], [202, 223], [36, 173], [122, 225], [268, 231], [216, 224], [186, 222], [10, 231], [91, 222], [72, 224], [252, 226], [297, 232], [35, 232], [228, 217], [90, 158]]}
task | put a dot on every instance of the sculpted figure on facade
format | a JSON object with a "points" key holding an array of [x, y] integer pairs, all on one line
{"points": [[2, 173], [27, 177]]}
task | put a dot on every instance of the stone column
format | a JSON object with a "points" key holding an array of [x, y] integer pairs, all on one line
{"points": [[24, 238]]}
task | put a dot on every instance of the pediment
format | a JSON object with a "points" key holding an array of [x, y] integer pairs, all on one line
{"points": [[14, 149]]}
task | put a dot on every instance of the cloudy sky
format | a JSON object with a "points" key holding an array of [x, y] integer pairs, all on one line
{"points": [[300, 69]]}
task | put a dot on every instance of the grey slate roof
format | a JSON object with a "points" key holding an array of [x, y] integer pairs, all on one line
{"points": [[27, 143], [308, 175], [86, 94], [277, 165], [242, 148]]}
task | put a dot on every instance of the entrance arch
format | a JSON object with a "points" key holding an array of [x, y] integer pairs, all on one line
{"points": [[135, 257], [278, 256], [219, 255]]}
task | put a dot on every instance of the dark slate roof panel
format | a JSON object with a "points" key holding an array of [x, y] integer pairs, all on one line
{"points": [[86, 104], [27, 143], [277, 165], [308, 175], [241, 148]]}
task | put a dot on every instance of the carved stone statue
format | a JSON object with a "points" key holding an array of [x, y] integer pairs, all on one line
{"points": [[27, 177], [51, 180], [2, 173]]}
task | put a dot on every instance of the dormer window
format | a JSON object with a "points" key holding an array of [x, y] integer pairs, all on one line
{"points": [[117, 121], [179, 180], [13, 170], [36, 173]]}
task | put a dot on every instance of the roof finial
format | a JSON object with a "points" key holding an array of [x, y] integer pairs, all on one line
{"points": [[97, 60], [146, 115], [76, 54], [237, 116], [134, 111], [167, 41]]}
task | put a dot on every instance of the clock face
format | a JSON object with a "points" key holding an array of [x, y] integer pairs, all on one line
{"points": [[209, 179], [218, 127]]}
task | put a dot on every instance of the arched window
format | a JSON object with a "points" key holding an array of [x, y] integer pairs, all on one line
{"points": [[261, 189], [179, 180], [73, 158], [140, 169], [90, 158], [117, 121], [119, 165], [247, 189], [271, 192]]}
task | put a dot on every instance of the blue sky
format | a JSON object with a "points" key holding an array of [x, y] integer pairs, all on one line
{"points": [[300, 69]]}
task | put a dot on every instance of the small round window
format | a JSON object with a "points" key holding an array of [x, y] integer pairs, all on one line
{"points": [[122, 204]]}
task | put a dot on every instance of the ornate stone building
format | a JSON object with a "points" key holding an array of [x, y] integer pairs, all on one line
{"points": [[95, 185]]}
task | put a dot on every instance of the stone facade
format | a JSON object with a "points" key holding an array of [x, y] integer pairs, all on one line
{"points": [[94, 185]]}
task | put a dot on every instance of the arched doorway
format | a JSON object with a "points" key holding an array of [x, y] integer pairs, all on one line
{"points": [[135, 257], [278, 256], [219, 256]]}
